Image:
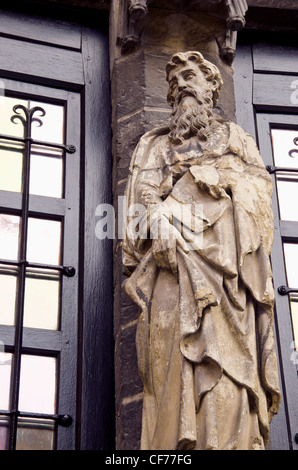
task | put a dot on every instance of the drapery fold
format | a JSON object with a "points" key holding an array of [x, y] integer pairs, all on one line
{"points": [[208, 328]]}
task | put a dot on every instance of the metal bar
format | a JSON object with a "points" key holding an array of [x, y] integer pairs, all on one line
{"points": [[274, 169], [63, 420], [67, 148], [68, 271], [284, 290], [16, 369], [14, 413]]}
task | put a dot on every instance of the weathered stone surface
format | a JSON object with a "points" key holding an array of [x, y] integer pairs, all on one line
{"points": [[123, 303], [202, 280], [139, 80], [129, 420], [129, 130], [128, 84], [139, 89], [126, 364], [168, 31]]}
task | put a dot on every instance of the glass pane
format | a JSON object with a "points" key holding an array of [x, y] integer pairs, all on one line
{"points": [[13, 127], [35, 434], [44, 241], [8, 288], [283, 143], [287, 198], [38, 384], [9, 236], [291, 260], [46, 174], [294, 312], [4, 421], [5, 370], [42, 295], [11, 161], [52, 128]]}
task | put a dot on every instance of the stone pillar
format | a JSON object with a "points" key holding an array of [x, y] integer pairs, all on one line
{"points": [[139, 91]]}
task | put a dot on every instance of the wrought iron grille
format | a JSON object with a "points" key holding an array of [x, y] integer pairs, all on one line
{"points": [[27, 116]]}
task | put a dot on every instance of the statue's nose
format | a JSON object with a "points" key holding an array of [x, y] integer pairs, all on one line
{"points": [[181, 86]]}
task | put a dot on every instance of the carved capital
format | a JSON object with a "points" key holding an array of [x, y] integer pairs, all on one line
{"points": [[137, 9], [236, 10], [235, 21]]}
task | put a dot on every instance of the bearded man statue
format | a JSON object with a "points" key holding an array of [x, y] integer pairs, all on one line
{"points": [[197, 260]]}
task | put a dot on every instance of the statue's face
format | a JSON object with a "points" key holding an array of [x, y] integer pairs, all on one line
{"points": [[187, 80]]}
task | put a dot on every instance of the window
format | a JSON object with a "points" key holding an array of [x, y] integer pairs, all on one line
{"points": [[266, 108], [39, 220], [56, 289]]}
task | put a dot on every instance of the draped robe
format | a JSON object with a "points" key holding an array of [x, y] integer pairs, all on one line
{"points": [[205, 336]]}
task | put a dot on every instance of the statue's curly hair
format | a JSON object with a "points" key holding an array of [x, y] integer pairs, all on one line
{"points": [[210, 71]]}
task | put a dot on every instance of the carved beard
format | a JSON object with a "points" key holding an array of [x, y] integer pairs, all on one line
{"points": [[192, 116]]}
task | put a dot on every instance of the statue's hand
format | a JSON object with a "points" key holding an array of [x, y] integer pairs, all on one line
{"points": [[208, 178], [165, 255]]}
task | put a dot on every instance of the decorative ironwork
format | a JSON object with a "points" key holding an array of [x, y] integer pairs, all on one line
{"points": [[68, 271], [27, 123], [27, 116], [62, 420], [284, 290], [291, 152], [274, 169]]}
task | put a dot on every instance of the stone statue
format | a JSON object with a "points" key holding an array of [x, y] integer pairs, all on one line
{"points": [[196, 250]]}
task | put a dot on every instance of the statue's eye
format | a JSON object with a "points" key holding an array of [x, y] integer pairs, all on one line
{"points": [[189, 76]]}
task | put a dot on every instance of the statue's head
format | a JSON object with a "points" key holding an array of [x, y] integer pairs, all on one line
{"points": [[194, 85], [191, 71]]}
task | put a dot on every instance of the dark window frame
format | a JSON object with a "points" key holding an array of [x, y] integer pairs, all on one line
{"points": [[284, 231], [62, 343], [94, 420], [263, 91]]}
